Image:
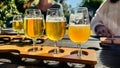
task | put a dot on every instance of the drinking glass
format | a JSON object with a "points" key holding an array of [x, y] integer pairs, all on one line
{"points": [[17, 23], [55, 26], [79, 27], [33, 25], [55, 29]]}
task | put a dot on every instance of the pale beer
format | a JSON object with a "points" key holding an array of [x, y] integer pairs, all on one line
{"points": [[33, 27], [55, 30], [17, 25]]}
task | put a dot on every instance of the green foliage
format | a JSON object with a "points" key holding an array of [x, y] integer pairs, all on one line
{"points": [[20, 5], [8, 9], [92, 6], [93, 3]]}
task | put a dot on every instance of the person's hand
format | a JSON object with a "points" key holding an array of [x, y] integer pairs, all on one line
{"points": [[101, 30], [43, 5]]}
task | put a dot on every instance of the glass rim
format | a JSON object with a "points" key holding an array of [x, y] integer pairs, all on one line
{"points": [[81, 8], [34, 9]]}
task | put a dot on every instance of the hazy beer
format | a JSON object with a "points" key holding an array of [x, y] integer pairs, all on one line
{"points": [[79, 33]]}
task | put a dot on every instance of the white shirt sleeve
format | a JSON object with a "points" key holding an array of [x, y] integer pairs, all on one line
{"points": [[99, 16]]}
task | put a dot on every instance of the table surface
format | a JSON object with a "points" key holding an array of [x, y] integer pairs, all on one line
{"points": [[108, 57]]}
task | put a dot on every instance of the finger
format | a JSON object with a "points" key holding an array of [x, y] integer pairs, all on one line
{"points": [[111, 33], [102, 32], [105, 33], [99, 33]]}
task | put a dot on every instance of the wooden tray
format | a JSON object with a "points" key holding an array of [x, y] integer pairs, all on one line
{"points": [[106, 41], [21, 38], [67, 54], [44, 52]]}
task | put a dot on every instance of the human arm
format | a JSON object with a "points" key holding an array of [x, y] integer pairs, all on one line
{"points": [[99, 21], [100, 28], [43, 5]]}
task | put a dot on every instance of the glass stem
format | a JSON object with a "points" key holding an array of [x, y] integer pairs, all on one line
{"points": [[18, 33], [79, 50], [34, 42], [56, 51], [0, 29]]}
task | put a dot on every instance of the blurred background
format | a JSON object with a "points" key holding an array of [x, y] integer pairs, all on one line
{"points": [[10, 7]]}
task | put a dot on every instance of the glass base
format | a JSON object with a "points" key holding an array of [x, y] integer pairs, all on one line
{"points": [[54, 51], [35, 49], [79, 54]]}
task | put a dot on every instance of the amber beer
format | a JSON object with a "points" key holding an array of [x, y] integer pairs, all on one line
{"points": [[79, 33], [17, 25], [33, 27], [55, 30]]}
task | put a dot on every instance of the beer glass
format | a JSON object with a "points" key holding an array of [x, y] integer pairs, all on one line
{"points": [[55, 26], [55, 29], [33, 25], [79, 27], [17, 23]]}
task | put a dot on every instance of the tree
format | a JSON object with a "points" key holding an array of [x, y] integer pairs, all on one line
{"points": [[7, 9], [65, 10], [92, 6], [20, 5], [10, 7]]}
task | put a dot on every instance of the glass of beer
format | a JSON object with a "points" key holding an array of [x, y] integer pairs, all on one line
{"points": [[33, 25], [55, 26], [79, 27], [79, 31], [17, 23], [55, 30]]}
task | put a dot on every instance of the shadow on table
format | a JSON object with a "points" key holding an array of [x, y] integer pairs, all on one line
{"points": [[110, 56], [9, 60]]}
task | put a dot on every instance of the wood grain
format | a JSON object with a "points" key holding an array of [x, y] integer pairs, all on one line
{"points": [[44, 52]]}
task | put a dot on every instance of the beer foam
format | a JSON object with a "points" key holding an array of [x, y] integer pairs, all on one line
{"points": [[33, 18], [17, 21], [79, 25], [55, 19]]}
